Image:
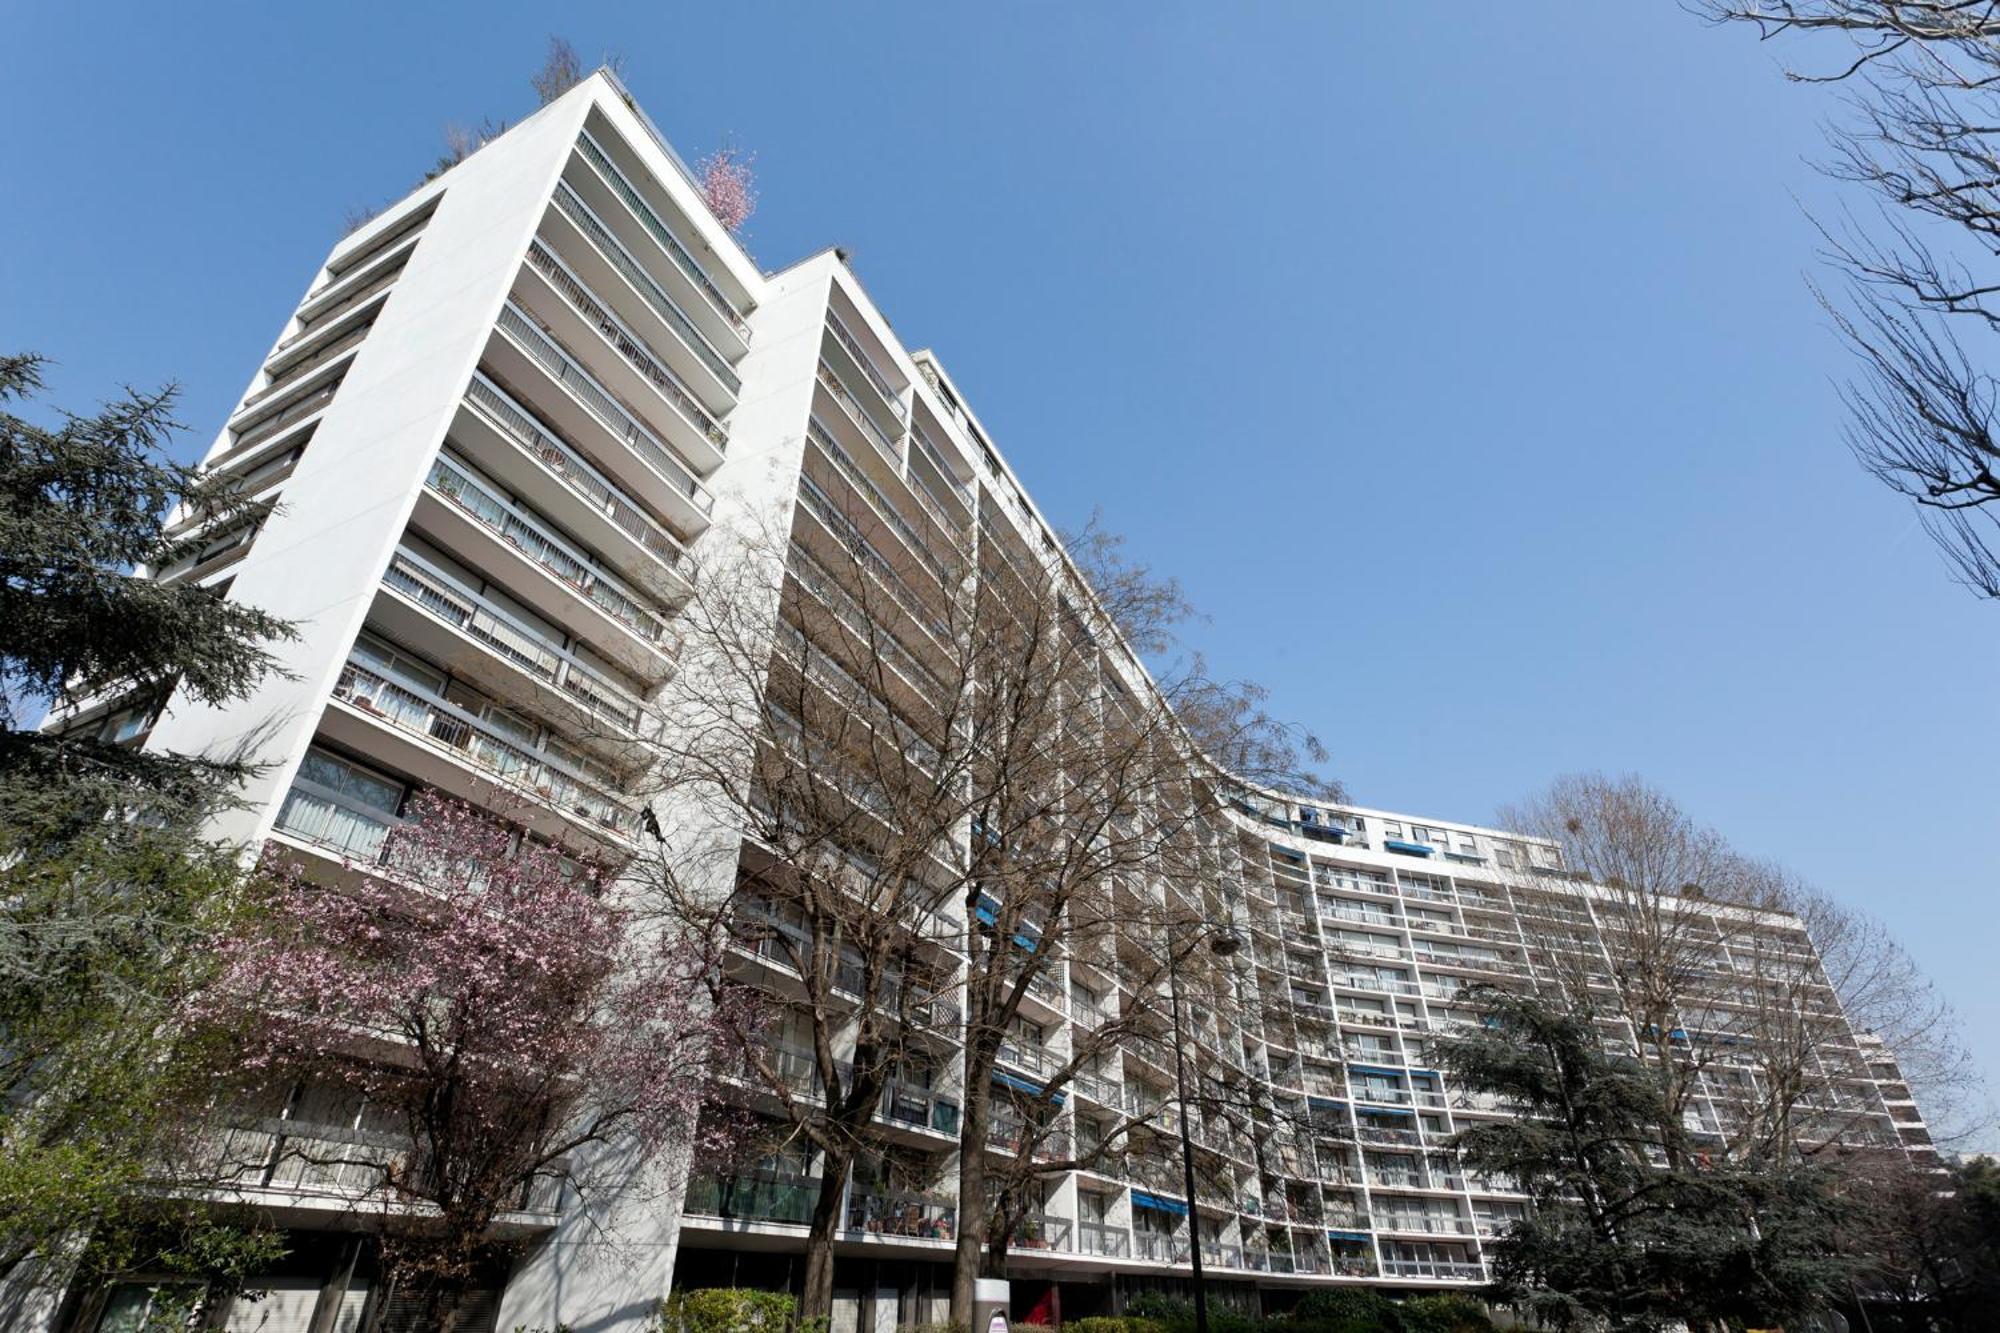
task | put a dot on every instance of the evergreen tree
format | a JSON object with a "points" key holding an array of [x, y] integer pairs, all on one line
{"points": [[109, 894], [1616, 1237]]}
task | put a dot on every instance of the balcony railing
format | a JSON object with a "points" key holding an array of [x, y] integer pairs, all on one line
{"points": [[670, 313], [546, 352], [660, 232], [484, 746], [482, 620], [1100, 1238], [342, 829], [1449, 1269], [636, 351], [876, 379], [872, 494], [754, 1196], [319, 319], [1158, 1248], [1041, 1231], [288, 373], [581, 478], [920, 1216], [263, 428], [606, 591], [823, 506], [851, 406], [921, 1107]]}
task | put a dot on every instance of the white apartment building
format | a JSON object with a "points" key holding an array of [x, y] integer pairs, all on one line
{"points": [[502, 426]]}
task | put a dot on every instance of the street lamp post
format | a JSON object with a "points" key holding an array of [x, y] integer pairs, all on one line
{"points": [[1222, 942]]}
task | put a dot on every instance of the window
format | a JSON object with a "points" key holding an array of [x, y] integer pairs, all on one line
{"points": [[341, 805]]}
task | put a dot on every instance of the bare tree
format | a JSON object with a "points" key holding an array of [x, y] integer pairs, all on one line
{"points": [[1695, 957], [1918, 298], [956, 783], [560, 72]]}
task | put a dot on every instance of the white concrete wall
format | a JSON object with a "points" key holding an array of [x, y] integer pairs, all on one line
{"points": [[319, 558]]}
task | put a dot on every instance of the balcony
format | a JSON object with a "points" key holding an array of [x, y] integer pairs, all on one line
{"points": [[564, 300], [525, 538], [698, 359], [556, 682], [1102, 1239], [754, 1196], [911, 1216], [271, 424], [920, 1108], [288, 369], [316, 317], [852, 410], [1041, 1231], [585, 409], [612, 182], [1154, 1247], [591, 505], [865, 363], [879, 506], [447, 728], [1448, 1270]]}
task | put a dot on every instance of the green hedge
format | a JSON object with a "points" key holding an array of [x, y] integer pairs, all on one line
{"points": [[727, 1310]]}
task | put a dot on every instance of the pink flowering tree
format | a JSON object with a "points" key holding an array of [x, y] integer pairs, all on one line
{"points": [[729, 187], [498, 1018]]}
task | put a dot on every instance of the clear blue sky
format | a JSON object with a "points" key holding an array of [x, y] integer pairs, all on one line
{"points": [[1457, 358]]}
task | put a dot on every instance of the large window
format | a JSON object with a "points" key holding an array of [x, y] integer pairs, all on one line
{"points": [[341, 805]]}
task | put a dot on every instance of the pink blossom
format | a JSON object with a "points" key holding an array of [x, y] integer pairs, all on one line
{"points": [[729, 187], [486, 996]]}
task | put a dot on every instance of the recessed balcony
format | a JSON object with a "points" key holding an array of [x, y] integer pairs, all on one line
{"points": [[449, 748], [620, 359], [545, 572], [600, 259], [605, 186], [422, 606], [558, 481], [538, 371]]}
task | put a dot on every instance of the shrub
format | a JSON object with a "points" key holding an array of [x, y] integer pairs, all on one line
{"points": [[1160, 1307], [1447, 1312], [1345, 1311], [726, 1310], [1030, 1328], [1114, 1323]]}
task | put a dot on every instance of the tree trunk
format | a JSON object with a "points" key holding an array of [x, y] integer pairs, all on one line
{"points": [[816, 1301], [969, 1256]]}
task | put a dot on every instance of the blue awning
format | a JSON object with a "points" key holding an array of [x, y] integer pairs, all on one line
{"points": [[1159, 1205], [1376, 1069], [1414, 848], [1361, 1236], [1322, 1103], [1386, 1110]]}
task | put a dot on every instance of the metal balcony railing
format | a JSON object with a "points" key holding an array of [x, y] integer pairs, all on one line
{"points": [[485, 747], [660, 232], [585, 481], [873, 374], [889, 1213], [542, 348], [851, 407], [473, 615], [636, 350], [534, 540], [656, 298], [1101, 1238]]}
